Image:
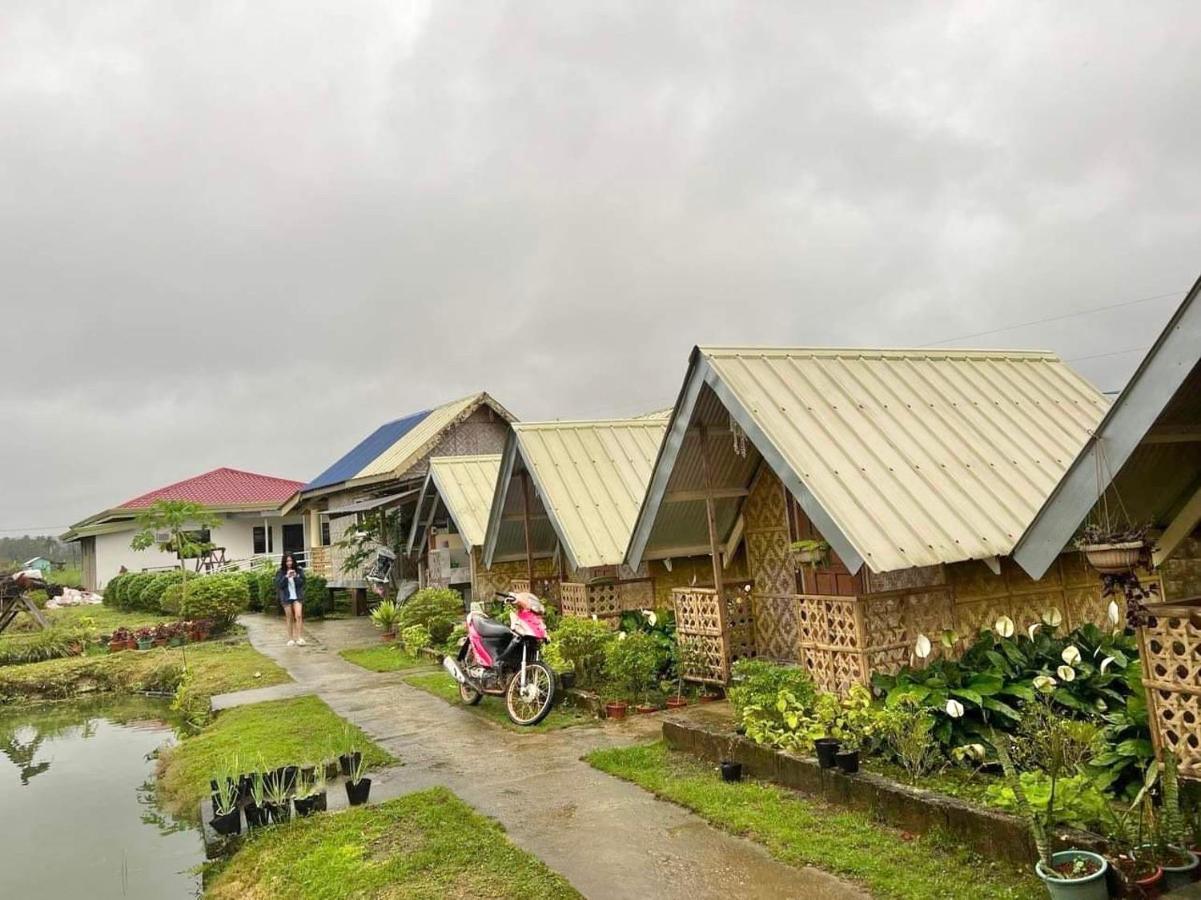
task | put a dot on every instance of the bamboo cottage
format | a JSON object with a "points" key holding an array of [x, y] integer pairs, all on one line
{"points": [[903, 477]]}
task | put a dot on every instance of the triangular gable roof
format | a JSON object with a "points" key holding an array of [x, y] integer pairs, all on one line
{"points": [[901, 458], [590, 476], [1164, 390], [222, 488], [394, 448], [465, 485]]}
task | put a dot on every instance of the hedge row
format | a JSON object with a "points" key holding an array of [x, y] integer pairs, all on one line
{"points": [[255, 590]]}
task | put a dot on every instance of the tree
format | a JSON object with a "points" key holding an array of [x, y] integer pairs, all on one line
{"points": [[179, 518], [375, 528]]}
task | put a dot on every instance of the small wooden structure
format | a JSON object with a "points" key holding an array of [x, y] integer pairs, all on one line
{"points": [[14, 600], [1170, 647]]}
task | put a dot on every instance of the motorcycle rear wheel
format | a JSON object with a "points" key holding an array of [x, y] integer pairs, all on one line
{"points": [[531, 705], [469, 695]]}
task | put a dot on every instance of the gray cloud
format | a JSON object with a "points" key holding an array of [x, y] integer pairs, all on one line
{"points": [[245, 235]]}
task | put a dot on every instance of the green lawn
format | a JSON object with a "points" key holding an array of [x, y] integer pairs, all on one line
{"points": [[385, 658], [801, 831], [215, 667], [423, 846], [441, 685], [258, 737], [105, 619]]}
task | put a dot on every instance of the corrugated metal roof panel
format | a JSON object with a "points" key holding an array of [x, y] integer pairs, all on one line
{"points": [[398, 455], [363, 453], [591, 477], [919, 456], [466, 485]]}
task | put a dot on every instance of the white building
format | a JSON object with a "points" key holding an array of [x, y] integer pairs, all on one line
{"points": [[248, 504]]}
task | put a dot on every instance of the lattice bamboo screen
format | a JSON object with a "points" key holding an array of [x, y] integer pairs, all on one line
{"points": [[607, 600], [1171, 657], [698, 626]]}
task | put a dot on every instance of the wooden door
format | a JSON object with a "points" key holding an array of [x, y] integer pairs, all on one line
{"points": [[831, 578]]}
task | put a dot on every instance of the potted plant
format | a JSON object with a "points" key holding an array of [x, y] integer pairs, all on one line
{"points": [[227, 819], [730, 771], [277, 800], [1179, 863], [808, 552], [286, 777], [349, 761], [358, 785], [310, 795], [689, 662], [1134, 875], [1068, 874], [1112, 550], [631, 664], [385, 616], [827, 749], [256, 803], [847, 756], [119, 640]]}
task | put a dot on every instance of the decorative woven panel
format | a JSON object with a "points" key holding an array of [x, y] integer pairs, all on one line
{"points": [[1181, 572], [698, 625], [834, 670], [842, 632], [777, 626], [766, 535], [574, 599], [765, 506], [1171, 645], [906, 579]]}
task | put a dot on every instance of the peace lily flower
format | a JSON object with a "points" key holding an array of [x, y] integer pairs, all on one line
{"points": [[1105, 663], [922, 647], [1114, 612], [651, 618], [1066, 673], [621, 635], [974, 750], [954, 709], [1045, 683], [1004, 627], [1053, 617], [1030, 631], [1071, 654]]}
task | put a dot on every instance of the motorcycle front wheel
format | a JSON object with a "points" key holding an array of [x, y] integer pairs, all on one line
{"points": [[530, 704]]}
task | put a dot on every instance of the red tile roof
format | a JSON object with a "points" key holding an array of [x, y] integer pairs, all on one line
{"points": [[223, 487]]}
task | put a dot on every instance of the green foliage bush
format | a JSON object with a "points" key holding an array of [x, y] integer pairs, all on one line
{"points": [[415, 638], [131, 591], [581, 644], [1078, 802], [255, 603], [52, 643], [438, 609], [114, 590], [451, 646], [758, 683], [217, 597], [151, 596], [632, 665]]}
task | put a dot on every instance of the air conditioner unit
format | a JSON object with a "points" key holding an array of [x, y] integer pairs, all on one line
{"points": [[162, 536]]}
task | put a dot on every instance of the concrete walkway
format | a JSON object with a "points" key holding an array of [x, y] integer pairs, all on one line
{"points": [[609, 838]]}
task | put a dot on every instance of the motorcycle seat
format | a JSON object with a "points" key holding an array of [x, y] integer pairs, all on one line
{"points": [[491, 628]]}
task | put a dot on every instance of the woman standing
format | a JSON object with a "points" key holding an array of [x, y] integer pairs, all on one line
{"points": [[289, 586]]}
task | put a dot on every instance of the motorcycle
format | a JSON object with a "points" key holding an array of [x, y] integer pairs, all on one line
{"points": [[505, 660]]}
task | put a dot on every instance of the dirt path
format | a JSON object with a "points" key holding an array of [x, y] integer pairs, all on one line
{"points": [[608, 837]]}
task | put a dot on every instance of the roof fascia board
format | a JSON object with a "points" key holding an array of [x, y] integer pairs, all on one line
{"points": [[1155, 382], [560, 531], [669, 452], [499, 496], [813, 509]]}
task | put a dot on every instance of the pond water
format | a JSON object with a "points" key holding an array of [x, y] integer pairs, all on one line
{"points": [[77, 810]]}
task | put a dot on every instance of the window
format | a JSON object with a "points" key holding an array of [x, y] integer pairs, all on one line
{"points": [[325, 542], [263, 539]]}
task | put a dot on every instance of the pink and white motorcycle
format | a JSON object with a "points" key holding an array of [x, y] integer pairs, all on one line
{"points": [[505, 661]]}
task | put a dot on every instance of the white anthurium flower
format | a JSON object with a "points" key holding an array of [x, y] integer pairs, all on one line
{"points": [[621, 635], [1066, 673], [651, 618], [1004, 627], [1045, 683], [976, 750], [954, 709], [1033, 628], [1114, 612], [922, 647], [1053, 617], [1106, 663], [1070, 654]]}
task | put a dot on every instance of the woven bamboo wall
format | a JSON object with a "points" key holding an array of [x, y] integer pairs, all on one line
{"points": [[607, 600], [1181, 573], [502, 575], [1171, 653], [698, 625]]}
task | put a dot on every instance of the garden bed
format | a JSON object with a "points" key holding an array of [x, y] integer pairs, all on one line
{"points": [[911, 809]]}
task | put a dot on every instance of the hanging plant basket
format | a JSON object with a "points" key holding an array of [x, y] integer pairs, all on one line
{"points": [[1114, 558], [809, 553]]}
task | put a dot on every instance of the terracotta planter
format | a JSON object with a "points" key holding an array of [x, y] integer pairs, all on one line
{"points": [[1114, 559], [677, 702], [711, 698], [645, 709], [116, 646], [388, 636], [616, 709], [131, 644]]}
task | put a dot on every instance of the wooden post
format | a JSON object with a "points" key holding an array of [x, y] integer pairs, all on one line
{"points": [[525, 519], [715, 556]]}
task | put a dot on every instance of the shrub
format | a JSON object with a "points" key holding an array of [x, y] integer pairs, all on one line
{"points": [[265, 577], [415, 639], [217, 597], [255, 603], [385, 616], [438, 609], [151, 596], [114, 589], [51, 643], [131, 594], [451, 647], [316, 595], [758, 683], [1078, 803], [632, 665], [581, 644], [907, 732]]}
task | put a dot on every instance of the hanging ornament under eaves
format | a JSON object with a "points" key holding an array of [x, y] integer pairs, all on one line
{"points": [[739, 438]]}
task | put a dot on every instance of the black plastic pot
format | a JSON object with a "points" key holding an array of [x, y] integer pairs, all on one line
{"points": [[245, 783], [848, 761], [348, 762], [306, 806], [229, 823], [256, 816], [332, 769], [826, 749], [279, 813], [731, 771], [308, 772], [356, 794]]}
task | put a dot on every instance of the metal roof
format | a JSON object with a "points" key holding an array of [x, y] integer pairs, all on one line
{"points": [[1148, 446], [902, 457], [393, 448], [466, 485], [591, 477]]}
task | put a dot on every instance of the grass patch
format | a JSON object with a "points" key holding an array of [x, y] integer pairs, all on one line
{"points": [[425, 845], [261, 736], [385, 658], [215, 667], [801, 831], [954, 781], [441, 685], [105, 618]]}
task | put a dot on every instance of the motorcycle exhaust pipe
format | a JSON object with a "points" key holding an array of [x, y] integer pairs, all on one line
{"points": [[456, 671]]}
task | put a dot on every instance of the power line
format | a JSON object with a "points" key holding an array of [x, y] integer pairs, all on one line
{"points": [[1103, 355], [1059, 318], [30, 529]]}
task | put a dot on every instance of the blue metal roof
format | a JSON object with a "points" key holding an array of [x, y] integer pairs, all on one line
{"points": [[366, 451]]}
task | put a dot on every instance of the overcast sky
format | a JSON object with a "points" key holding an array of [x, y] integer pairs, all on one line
{"points": [[245, 234]]}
